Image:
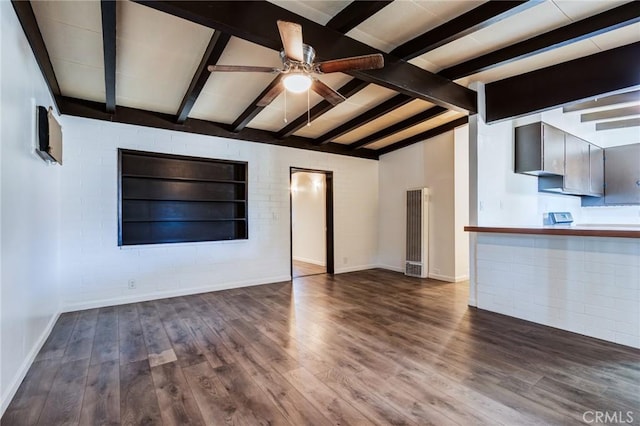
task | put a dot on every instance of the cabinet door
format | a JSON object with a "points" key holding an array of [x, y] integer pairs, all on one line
{"points": [[596, 170], [576, 165], [553, 150], [622, 175]]}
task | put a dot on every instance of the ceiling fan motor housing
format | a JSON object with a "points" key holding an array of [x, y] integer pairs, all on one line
{"points": [[308, 55]]}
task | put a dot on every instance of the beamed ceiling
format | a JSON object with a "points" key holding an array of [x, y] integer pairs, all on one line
{"points": [[145, 63]]}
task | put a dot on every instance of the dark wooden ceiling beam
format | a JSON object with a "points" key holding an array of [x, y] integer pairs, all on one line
{"points": [[414, 120], [95, 110], [27, 19], [431, 133], [348, 90], [620, 98], [611, 113], [618, 124], [212, 54], [364, 118], [482, 16], [583, 78], [108, 14], [253, 109], [257, 24], [355, 13], [610, 20]]}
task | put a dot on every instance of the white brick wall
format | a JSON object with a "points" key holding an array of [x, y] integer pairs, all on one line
{"points": [[95, 271], [585, 285]]}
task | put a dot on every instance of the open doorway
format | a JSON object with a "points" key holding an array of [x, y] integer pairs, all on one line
{"points": [[311, 222]]}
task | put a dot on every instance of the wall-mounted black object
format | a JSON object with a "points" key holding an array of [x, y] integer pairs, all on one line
{"points": [[172, 198], [49, 136]]}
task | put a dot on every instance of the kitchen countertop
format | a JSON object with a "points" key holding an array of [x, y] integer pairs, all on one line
{"points": [[620, 231]]}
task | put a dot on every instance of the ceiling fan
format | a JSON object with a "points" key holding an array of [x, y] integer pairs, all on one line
{"points": [[299, 67]]}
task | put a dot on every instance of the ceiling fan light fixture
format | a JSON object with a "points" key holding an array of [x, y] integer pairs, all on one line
{"points": [[297, 83]]}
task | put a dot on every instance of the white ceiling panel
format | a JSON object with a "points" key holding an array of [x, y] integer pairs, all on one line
{"points": [[157, 56], [401, 21], [385, 121], [226, 95], [74, 46], [423, 127], [617, 38], [82, 14], [362, 101], [540, 18], [609, 40], [577, 10], [79, 81], [317, 11]]}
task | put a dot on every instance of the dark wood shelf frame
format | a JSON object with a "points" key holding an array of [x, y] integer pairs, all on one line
{"points": [[166, 198]]}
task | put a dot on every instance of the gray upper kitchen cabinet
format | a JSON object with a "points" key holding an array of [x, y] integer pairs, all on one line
{"points": [[622, 175], [576, 165], [539, 150], [596, 171]]}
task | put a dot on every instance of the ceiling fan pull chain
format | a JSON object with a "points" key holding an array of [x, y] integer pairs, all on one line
{"points": [[285, 106], [308, 112]]}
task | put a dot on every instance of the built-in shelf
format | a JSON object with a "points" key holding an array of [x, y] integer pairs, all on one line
{"points": [[170, 198]]}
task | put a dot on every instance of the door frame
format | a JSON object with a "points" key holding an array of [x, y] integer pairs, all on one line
{"points": [[328, 192]]}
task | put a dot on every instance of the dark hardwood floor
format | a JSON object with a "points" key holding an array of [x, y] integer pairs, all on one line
{"points": [[370, 347], [304, 269]]}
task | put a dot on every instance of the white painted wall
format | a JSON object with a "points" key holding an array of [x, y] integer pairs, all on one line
{"points": [[441, 164], [29, 218], [96, 271], [308, 195], [461, 201]]}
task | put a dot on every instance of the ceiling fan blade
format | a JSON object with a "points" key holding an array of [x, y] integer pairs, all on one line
{"points": [[291, 35], [366, 62], [241, 68], [333, 97], [271, 95]]}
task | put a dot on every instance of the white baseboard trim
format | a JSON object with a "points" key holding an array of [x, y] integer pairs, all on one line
{"points": [[26, 364], [312, 261], [346, 269], [391, 268], [440, 277], [123, 300]]}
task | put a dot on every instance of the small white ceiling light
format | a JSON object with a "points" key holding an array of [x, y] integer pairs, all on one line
{"points": [[297, 83]]}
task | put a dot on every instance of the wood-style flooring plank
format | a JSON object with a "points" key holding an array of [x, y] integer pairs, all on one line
{"points": [[159, 348], [81, 340], [64, 401], [138, 400], [56, 343], [105, 343], [177, 404], [130, 336], [101, 403]]}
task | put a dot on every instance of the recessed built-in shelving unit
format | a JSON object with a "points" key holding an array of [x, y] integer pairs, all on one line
{"points": [[171, 199]]}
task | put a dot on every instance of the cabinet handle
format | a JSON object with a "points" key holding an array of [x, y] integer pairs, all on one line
{"points": [[638, 183]]}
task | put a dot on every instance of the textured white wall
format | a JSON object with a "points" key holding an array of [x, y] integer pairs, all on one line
{"points": [[309, 217], [96, 271], [29, 230]]}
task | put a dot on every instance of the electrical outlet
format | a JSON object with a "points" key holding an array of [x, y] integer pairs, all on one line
{"points": [[131, 284]]}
